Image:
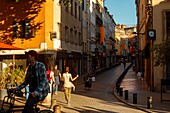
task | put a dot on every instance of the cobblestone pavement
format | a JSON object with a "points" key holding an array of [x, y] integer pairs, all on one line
{"points": [[99, 99]]}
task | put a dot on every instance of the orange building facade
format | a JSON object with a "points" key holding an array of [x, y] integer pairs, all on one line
{"points": [[41, 25]]}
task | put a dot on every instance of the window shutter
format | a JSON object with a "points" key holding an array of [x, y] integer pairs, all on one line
{"points": [[22, 29], [27, 28]]}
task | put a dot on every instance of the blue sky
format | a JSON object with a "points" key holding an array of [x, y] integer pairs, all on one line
{"points": [[123, 11]]}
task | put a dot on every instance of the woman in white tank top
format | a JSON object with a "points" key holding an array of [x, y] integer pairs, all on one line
{"points": [[68, 85]]}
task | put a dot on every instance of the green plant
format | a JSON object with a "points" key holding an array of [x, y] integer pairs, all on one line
{"points": [[161, 53], [2, 81], [67, 2], [11, 76]]}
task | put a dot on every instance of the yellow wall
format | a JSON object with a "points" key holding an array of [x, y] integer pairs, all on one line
{"points": [[41, 15], [49, 22], [159, 9]]}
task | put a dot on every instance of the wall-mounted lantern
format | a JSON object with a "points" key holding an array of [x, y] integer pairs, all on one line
{"points": [[149, 2], [53, 35]]}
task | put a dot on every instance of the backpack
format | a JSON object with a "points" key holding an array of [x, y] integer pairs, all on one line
{"points": [[48, 75]]}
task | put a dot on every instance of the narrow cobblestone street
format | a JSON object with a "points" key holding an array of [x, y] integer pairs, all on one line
{"points": [[99, 99]]}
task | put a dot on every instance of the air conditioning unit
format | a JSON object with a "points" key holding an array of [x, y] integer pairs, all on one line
{"points": [[43, 45]]}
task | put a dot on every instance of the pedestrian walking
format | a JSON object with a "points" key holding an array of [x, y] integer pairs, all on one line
{"points": [[50, 76], [68, 85], [37, 79], [90, 78], [124, 63], [57, 76]]}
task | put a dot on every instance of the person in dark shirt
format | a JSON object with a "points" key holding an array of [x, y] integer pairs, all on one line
{"points": [[57, 76], [124, 63], [37, 80]]}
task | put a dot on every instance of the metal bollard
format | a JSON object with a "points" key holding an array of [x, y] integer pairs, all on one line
{"points": [[117, 87], [53, 103], [120, 91], [57, 109], [134, 98], [126, 94], [149, 102]]}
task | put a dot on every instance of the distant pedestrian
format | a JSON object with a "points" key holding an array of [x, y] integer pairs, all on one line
{"points": [[57, 76], [134, 65], [91, 73], [124, 63], [68, 85], [88, 82], [90, 78]]}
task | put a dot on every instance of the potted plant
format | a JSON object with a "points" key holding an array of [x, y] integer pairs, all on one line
{"points": [[10, 77], [161, 53], [162, 57], [3, 80]]}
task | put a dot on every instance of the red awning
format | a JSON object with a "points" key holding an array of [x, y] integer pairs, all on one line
{"points": [[4, 46]]}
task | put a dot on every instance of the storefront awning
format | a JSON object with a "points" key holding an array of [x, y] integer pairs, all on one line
{"points": [[77, 55], [62, 55], [4, 46]]}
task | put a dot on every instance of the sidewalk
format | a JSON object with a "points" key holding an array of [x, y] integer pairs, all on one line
{"points": [[135, 84]]}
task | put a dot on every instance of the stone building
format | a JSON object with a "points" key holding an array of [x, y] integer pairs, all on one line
{"points": [[63, 33], [152, 15]]}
